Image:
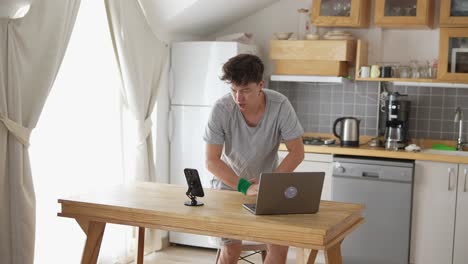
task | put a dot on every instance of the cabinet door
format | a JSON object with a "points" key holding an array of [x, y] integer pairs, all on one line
{"points": [[453, 55], [453, 13], [461, 223], [434, 198], [343, 13], [404, 13]]}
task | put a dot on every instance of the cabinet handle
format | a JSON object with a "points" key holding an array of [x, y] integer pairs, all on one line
{"points": [[464, 184], [171, 83], [450, 170]]}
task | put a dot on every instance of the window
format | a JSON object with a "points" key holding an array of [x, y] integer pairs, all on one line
{"points": [[76, 145]]}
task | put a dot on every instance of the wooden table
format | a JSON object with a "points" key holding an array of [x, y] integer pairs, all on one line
{"points": [[161, 206]]}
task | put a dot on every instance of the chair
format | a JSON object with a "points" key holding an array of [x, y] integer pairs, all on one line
{"points": [[257, 248]]}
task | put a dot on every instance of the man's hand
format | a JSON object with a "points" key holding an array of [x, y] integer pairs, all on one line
{"points": [[253, 181], [253, 190]]}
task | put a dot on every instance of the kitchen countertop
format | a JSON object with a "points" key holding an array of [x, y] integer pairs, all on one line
{"points": [[382, 153]]}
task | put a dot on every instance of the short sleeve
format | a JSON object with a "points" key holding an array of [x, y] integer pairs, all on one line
{"points": [[289, 125], [214, 130]]}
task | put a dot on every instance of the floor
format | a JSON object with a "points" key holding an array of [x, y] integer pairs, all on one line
{"points": [[185, 254]]}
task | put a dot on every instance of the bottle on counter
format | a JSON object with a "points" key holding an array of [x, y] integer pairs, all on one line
{"points": [[303, 23]]}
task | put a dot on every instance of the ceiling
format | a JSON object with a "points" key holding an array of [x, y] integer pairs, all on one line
{"points": [[199, 17], [14, 8]]}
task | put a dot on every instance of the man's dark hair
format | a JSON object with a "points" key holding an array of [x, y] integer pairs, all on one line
{"points": [[243, 69]]}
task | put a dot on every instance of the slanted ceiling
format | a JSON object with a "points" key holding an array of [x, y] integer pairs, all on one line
{"points": [[199, 17]]}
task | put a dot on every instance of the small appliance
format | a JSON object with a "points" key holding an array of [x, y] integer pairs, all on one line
{"points": [[349, 131], [397, 115]]}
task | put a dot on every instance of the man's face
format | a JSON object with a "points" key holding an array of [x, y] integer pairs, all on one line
{"points": [[247, 95]]}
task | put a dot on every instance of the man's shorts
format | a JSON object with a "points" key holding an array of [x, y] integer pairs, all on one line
{"points": [[223, 241]]}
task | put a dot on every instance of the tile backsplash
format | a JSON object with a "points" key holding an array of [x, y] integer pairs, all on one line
{"points": [[318, 105], [433, 111]]}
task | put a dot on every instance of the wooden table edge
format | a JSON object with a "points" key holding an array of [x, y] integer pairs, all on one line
{"points": [[85, 218]]}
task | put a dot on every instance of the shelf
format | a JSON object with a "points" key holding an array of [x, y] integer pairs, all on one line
{"points": [[415, 82], [431, 84], [397, 80], [308, 78], [361, 59]]}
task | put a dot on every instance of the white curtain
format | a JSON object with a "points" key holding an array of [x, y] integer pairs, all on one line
{"points": [[31, 50], [143, 63]]}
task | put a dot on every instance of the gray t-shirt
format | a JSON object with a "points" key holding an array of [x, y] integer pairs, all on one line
{"points": [[249, 151]]}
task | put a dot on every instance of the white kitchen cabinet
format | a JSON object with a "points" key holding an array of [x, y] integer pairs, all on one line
{"points": [[315, 162], [460, 253], [440, 213]]}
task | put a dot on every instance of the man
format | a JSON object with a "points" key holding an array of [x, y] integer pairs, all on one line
{"points": [[243, 135]]}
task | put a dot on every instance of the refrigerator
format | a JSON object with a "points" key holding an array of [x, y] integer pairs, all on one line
{"points": [[195, 85]]}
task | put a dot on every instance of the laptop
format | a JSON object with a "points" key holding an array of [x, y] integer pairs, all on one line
{"points": [[288, 193]]}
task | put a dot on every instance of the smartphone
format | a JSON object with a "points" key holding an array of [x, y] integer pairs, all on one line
{"points": [[194, 183]]}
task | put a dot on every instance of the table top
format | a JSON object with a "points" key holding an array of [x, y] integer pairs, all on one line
{"points": [[161, 206]]}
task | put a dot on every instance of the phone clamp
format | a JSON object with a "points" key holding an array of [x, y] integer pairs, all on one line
{"points": [[193, 199]]}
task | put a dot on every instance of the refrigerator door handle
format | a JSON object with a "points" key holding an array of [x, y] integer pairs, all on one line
{"points": [[171, 84], [170, 124]]}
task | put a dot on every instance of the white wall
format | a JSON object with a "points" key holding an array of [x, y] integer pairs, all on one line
{"points": [[385, 45], [281, 16]]}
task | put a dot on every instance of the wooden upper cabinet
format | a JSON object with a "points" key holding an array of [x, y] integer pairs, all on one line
{"points": [[341, 13], [404, 13], [453, 55], [454, 13]]}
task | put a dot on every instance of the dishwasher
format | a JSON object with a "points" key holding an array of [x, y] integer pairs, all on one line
{"points": [[385, 187]]}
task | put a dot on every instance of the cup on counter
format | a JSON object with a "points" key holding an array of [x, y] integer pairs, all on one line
{"points": [[375, 71], [364, 72]]}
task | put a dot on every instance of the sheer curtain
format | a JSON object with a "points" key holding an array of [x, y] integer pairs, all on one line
{"points": [[143, 60], [143, 63], [33, 48], [76, 144]]}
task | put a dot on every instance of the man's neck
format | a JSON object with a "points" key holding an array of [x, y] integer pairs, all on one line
{"points": [[258, 108]]}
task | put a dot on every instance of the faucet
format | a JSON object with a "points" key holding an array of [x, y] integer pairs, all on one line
{"points": [[459, 119]]}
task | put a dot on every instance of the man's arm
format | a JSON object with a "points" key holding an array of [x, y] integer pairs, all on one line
{"points": [[295, 155], [215, 165]]}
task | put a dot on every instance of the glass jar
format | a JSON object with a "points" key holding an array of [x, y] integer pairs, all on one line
{"points": [[404, 71], [415, 69]]}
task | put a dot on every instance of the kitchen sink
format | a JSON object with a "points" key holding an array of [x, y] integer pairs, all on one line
{"points": [[446, 152]]}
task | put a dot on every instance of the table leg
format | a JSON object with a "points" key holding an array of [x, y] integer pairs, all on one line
{"points": [[95, 231], [312, 256], [333, 254], [141, 245], [300, 255]]}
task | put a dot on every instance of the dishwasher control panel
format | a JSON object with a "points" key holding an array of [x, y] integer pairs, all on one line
{"points": [[388, 170]]}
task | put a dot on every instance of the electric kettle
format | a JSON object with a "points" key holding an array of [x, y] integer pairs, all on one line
{"points": [[349, 131]]}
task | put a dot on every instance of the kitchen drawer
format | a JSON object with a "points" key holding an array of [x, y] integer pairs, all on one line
{"points": [[305, 67], [316, 50]]}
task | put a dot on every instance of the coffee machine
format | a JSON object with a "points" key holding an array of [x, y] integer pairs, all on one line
{"points": [[397, 115]]}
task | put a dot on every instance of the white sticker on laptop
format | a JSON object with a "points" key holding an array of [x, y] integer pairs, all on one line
{"points": [[290, 192]]}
